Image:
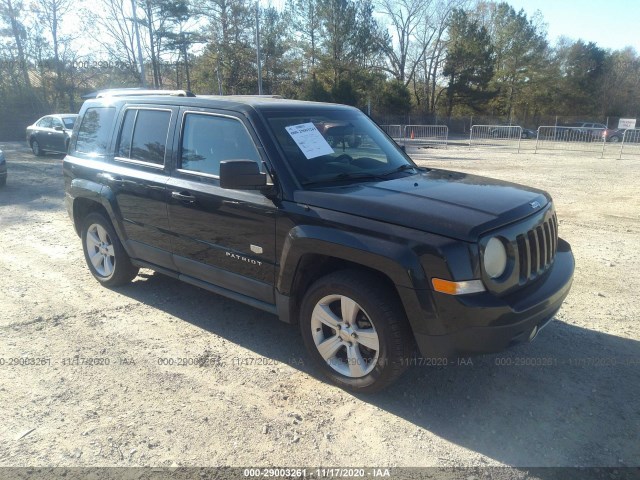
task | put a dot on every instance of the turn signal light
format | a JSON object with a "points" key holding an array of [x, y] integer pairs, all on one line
{"points": [[457, 288]]}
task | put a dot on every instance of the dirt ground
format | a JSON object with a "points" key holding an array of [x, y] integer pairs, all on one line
{"points": [[568, 399]]}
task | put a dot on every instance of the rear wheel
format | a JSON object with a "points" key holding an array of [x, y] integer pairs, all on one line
{"points": [[35, 148], [355, 331], [105, 256]]}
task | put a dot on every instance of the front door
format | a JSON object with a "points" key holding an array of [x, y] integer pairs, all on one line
{"points": [[223, 237]]}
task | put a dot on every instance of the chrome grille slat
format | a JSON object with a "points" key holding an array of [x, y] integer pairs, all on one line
{"points": [[549, 243]]}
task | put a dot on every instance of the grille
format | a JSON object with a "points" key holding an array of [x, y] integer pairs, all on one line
{"points": [[537, 249]]}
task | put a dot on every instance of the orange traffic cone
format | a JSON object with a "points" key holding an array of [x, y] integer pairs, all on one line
{"points": [[412, 135]]}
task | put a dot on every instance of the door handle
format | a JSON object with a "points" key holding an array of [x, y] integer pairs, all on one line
{"points": [[185, 197], [110, 179]]}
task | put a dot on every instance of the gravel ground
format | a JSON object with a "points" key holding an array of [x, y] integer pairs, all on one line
{"points": [[568, 399]]}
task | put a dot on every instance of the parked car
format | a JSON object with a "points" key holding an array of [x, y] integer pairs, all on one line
{"points": [[367, 252], [581, 131], [614, 136], [51, 133], [511, 131], [3, 170]]}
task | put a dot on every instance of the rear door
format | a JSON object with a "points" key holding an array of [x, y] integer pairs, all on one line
{"points": [[223, 237], [138, 177]]}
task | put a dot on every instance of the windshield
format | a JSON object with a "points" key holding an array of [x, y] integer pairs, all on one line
{"points": [[335, 146]]}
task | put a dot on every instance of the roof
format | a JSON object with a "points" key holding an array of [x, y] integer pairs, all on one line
{"points": [[235, 102], [239, 103]]}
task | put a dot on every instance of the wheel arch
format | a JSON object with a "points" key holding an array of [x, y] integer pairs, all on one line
{"points": [[311, 253], [87, 197]]}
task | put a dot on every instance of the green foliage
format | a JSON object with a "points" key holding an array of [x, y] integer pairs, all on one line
{"points": [[469, 66], [395, 98], [520, 49]]}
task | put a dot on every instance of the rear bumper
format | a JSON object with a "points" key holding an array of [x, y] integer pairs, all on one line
{"points": [[493, 324]]}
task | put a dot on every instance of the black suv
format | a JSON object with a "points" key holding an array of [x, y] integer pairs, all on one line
{"points": [[310, 212]]}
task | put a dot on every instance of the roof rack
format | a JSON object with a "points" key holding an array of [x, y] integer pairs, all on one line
{"points": [[135, 92], [241, 96]]}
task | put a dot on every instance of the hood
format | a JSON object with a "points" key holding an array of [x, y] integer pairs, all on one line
{"points": [[452, 204]]}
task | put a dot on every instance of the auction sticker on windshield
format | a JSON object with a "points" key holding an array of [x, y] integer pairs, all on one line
{"points": [[309, 140]]}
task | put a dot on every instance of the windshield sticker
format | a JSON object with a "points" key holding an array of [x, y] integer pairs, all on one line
{"points": [[309, 140]]}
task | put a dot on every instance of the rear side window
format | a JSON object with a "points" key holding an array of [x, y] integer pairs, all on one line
{"points": [[44, 122], [95, 131], [209, 139], [144, 135]]}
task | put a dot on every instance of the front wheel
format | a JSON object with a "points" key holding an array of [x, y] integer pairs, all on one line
{"points": [[614, 139], [355, 331], [105, 256]]}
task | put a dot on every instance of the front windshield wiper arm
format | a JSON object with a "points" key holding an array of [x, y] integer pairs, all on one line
{"points": [[361, 175], [401, 168], [346, 176]]}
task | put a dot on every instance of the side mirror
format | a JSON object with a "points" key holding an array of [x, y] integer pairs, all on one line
{"points": [[58, 128], [241, 175]]}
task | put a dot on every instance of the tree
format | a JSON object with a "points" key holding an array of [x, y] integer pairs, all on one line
{"points": [[469, 63], [621, 84], [521, 53], [232, 44], [11, 14], [114, 30], [396, 98], [581, 72], [52, 13], [274, 47]]}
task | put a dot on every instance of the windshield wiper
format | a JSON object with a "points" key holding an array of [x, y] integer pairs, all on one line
{"points": [[401, 168], [346, 176], [361, 175]]}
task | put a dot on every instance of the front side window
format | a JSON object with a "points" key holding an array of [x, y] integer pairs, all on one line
{"points": [[324, 146], [209, 139], [69, 122], [95, 131], [144, 135]]}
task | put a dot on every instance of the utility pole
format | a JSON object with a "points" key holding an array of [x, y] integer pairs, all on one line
{"points": [[258, 48], [143, 80]]}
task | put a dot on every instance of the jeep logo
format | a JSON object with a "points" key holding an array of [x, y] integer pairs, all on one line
{"points": [[534, 204]]}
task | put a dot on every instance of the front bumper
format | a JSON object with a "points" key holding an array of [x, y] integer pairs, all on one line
{"points": [[485, 323]]}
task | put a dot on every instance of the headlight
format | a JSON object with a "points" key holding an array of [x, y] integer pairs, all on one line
{"points": [[495, 258]]}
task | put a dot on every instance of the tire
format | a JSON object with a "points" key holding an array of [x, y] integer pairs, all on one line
{"points": [[103, 252], [35, 148], [365, 355], [614, 139]]}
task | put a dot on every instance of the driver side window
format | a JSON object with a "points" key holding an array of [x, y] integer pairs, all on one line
{"points": [[209, 139]]}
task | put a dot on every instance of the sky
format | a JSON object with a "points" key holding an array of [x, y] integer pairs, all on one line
{"points": [[610, 24]]}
